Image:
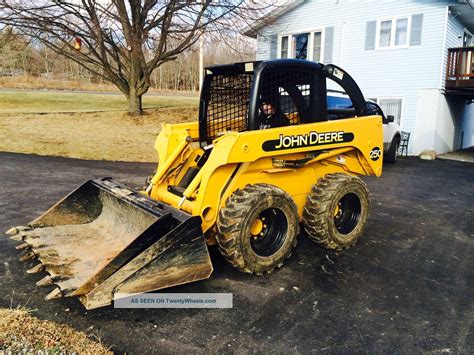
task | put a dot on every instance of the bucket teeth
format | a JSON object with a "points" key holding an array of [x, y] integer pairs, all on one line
{"points": [[45, 281], [34, 244], [54, 294], [12, 231], [35, 269], [16, 230], [17, 237], [23, 246], [30, 235], [55, 264], [27, 256]]}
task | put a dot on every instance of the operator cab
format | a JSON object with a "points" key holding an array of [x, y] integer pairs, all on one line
{"points": [[235, 97]]}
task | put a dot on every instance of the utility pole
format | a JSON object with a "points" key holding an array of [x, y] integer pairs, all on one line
{"points": [[201, 54], [201, 60]]}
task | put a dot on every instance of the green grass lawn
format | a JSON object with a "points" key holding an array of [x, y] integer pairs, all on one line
{"points": [[47, 101], [86, 125]]}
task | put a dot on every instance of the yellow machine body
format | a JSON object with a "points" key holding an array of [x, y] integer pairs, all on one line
{"points": [[238, 159]]}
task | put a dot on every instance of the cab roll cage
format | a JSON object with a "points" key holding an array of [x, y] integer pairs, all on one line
{"points": [[256, 73]]}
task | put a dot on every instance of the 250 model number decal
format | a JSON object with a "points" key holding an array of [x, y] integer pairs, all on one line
{"points": [[307, 140], [375, 153]]}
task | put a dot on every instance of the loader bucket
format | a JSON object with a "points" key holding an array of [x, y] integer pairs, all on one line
{"points": [[105, 238]]}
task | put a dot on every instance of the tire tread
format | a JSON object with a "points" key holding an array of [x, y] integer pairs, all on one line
{"points": [[315, 212], [230, 221]]}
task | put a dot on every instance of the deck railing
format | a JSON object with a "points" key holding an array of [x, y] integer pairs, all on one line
{"points": [[460, 67]]}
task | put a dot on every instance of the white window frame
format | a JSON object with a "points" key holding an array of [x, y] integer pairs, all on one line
{"points": [[377, 101], [393, 31], [291, 53], [280, 39]]}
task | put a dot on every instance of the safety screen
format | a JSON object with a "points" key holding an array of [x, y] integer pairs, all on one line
{"points": [[228, 104], [289, 93]]}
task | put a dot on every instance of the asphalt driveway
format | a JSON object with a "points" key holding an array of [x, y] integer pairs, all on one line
{"points": [[408, 285]]}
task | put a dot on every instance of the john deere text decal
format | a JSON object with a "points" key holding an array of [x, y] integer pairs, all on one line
{"points": [[307, 140]]}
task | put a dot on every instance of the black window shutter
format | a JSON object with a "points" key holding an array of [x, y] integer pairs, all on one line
{"points": [[273, 46], [415, 31], [328, 44], [370, 28]]}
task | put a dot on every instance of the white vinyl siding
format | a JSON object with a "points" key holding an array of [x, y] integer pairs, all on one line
{"points": [[393, 73]]}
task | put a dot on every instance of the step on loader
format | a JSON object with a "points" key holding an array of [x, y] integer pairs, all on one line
{"points": [[266, 156]]}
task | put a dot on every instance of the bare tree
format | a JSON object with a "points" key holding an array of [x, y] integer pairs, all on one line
{"points": [[15, 52], [123, 41]]}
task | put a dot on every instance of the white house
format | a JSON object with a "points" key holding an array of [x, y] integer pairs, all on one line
{"points": [[397, 51]]}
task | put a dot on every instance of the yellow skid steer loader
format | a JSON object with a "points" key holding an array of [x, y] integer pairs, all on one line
{"points": [[265, 156]]}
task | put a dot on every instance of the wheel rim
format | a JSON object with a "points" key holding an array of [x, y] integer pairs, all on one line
{"points": [[347, 213], [270, 228]]}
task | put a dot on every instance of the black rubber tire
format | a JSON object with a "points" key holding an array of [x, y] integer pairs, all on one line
{"points": [[319, 219], [391, 156], [234, 223]]}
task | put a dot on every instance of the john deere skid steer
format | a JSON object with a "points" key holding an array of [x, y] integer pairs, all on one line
{"points": [[227, 179]]}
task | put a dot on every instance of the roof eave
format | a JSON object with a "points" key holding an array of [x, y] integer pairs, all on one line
{"points": [[464, 10], [253, 29]]}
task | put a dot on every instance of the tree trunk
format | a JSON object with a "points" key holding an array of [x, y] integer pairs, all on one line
{"points": [[135, 103], [135, 83]]}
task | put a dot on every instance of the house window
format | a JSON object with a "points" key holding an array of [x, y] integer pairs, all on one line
{"points": [[307, 45], [317, 46], [391, 107], [401, 30], [300, 46], [284, 47], [393, 32], [385, 33]]}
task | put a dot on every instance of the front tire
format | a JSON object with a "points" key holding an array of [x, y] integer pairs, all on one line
{"points": [[391, 156], [258, 228], [336, 211]]}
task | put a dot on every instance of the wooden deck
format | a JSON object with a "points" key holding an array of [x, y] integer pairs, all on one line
{"points": [[460, 69]]}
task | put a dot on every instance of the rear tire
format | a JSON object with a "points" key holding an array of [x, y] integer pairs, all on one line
{"points": [[258, 228], [391, 156], [336, 211]]}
